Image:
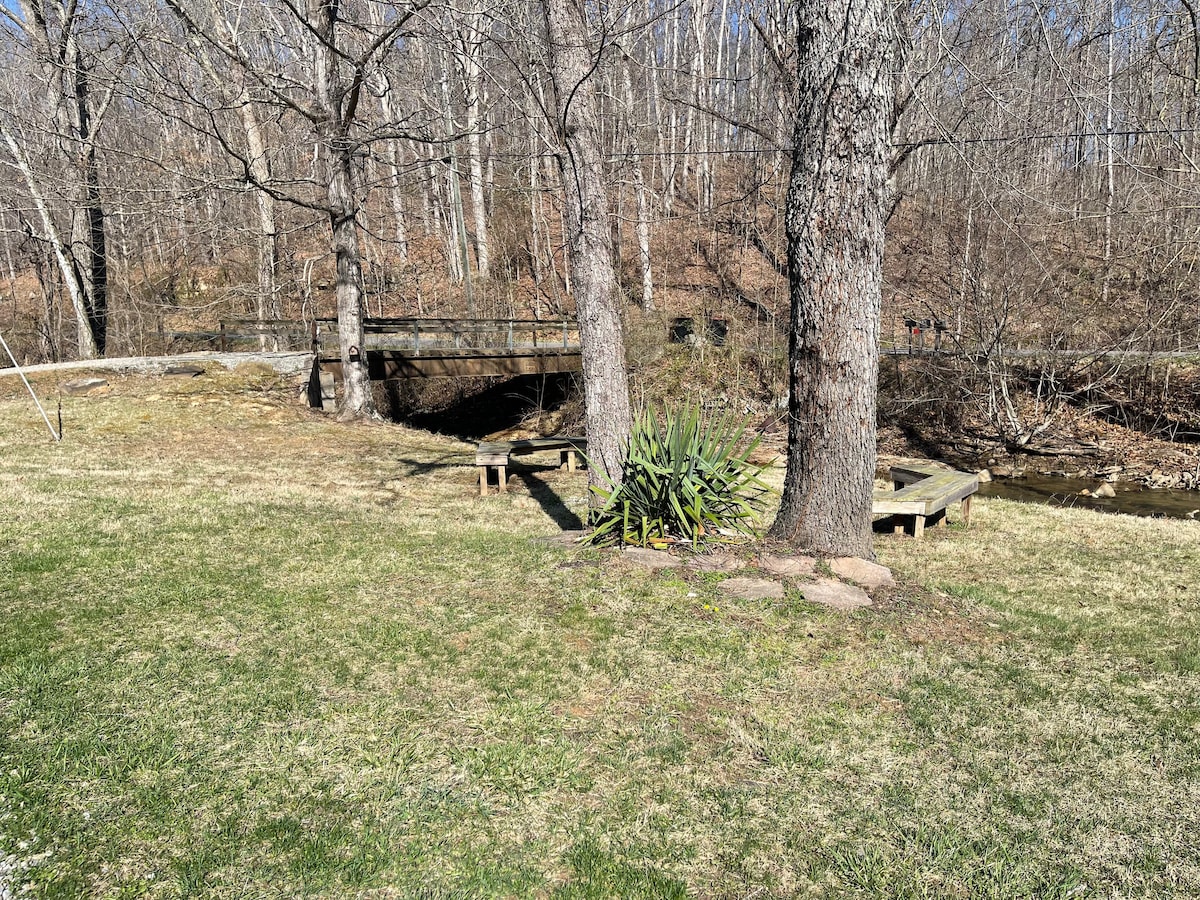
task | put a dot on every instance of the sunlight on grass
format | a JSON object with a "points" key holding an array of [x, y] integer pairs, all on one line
{"points": [[249, 652]]}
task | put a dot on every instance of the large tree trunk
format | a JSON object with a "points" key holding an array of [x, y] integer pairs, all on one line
{"points": [[589, 241], [88, 223], [836, 207]]}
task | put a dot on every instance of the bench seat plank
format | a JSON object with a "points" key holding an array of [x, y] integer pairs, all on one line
{"points": [[924, 490], [496, 455]]}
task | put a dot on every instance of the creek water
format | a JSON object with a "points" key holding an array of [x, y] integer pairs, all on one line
{"points": [[1132, 499]]}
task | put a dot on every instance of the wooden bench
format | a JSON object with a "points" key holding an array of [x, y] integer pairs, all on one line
{"points": [[495, 455], [922, 492]]}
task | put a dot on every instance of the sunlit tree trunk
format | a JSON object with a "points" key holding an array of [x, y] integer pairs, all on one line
{"points": [[588, 235], [836, 206]]}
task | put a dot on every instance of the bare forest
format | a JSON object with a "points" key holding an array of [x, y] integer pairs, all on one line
{"points": [[172, 164]]}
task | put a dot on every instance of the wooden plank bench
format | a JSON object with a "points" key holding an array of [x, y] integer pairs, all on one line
{"points": [[495, 455], [923, 491]]}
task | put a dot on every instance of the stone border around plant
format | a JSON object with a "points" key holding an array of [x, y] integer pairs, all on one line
{"points": [[768, 576]]}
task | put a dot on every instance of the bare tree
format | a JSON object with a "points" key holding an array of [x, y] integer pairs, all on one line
{"points": [[574, 57], [74, 103], [325, 88]]}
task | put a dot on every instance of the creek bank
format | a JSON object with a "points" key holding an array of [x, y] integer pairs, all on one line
{"points": [[1117, 456], [1084, 493], [1175, 471]]}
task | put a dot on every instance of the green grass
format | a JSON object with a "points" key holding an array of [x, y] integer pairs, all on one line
{"points": [[247, 652]]}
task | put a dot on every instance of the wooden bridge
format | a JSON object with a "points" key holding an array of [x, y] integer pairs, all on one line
{"points": [[459, 348]]}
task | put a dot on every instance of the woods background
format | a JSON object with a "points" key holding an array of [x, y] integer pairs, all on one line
{"points": [[169, 164]]}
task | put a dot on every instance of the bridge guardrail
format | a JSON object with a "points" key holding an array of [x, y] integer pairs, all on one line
{"points": [[421, 334]]}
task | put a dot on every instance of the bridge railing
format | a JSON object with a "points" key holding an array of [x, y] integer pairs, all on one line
{"points": [[417, 335], [241, 334]]}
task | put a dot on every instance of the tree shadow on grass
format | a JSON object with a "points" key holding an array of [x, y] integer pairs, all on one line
{"points": [[426, 466], [548, 499]]}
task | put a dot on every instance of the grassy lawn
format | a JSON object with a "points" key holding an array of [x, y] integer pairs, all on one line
{"points": [[248, 652]]}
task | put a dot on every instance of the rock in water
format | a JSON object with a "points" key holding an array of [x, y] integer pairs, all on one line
{"points": [[1104, 491]]}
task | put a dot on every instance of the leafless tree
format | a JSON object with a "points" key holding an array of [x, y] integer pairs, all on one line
{"points": [[69, 85], [574, 55]]}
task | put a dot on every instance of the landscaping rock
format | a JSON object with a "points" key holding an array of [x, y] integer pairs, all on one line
{"points": [[1104, 490], [985, 476], [869, 575], [84, 385], [188, 370], [255, 369], [752, 588], [716, 562], [651, 559], [788, 566], [563, 538], [835, 595]]}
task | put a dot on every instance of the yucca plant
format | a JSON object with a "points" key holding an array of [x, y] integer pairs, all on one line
{"points": [[685, 480]]}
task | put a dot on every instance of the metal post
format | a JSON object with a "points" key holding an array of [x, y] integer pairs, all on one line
{"points": [[38, 403]]}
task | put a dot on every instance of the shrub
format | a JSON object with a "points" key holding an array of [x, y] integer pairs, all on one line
{"points": [[684, 480]]}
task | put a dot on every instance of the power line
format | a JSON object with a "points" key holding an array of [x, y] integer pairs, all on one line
{"points": [[899, 145]]}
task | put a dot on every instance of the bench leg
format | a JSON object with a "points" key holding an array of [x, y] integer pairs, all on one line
{"points": [[503, 473], [918, 526], [483, 479], [897, 524], [566, 458], [966, 511], [939, 520]]}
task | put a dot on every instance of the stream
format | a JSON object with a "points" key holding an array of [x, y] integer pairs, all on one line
{"points": [[1132, 499]]}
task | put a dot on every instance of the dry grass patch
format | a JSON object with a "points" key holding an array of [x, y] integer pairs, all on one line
{"points": [[253, 652]]}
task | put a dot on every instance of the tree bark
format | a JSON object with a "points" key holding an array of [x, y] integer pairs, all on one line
{"points": [[835, 213], [593, 278], [67, 265], [52, 35], [337, 102], [472, 68], [641, 200], [267, 304]]}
